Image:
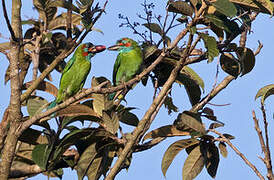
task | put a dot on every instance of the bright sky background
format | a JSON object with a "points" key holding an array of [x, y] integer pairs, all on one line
{"points": [[240, 93]]}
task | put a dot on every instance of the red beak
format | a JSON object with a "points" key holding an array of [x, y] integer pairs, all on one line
{"points": [[97, 49]]}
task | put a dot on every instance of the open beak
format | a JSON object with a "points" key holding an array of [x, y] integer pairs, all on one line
{"points": [[97, 49], [114, 48]]}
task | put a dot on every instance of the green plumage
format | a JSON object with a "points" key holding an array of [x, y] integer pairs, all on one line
{"points": [[76, 71], [128, 61]]}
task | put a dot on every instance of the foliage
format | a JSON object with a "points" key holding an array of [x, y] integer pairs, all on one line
{"points": [[91, 150]]}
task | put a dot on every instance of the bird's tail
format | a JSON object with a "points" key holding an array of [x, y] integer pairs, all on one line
{"points": [[52, 104], [116, 95], [111, 96]]}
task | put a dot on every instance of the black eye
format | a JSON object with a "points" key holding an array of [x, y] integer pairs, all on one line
{"points": [[89, 45]]}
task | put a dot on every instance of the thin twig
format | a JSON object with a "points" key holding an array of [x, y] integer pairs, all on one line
{"points": [[8, 22], [267, 158], [224, 139], [260, 46], [259, 132], [69, 19], [35, 57], [213, 93], [149, 144]]}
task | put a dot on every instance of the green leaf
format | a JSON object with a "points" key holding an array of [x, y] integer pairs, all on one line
{"points": [[223, 150], [153, 27], [168, 103], [60, 22], [229, 136], [46, 12], [230, 64], [110, 121], [40, 155], [229, 10], [193, 164], [165, 131], [95, 161], [32, 136], [212, 159], [100, 101], [43, 86], [94, 169], [180, 7], [194, 76], [149, 50], [247, 59], [127, 117], [218, 22], [210, 45], [191, 120], [173, 150], [77, 110], [36, 104], [192, 88], [71, 139], [215, 125], [68, 120], [264, 6], [64, 4], [85, 160], [264, 92], [97, 30]]}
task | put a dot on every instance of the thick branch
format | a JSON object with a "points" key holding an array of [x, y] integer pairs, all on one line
{"points": [[224, 139], [14, 115]]}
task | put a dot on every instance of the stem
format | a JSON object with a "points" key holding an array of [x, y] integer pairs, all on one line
{"points": [[35, 58], [15, 105], [224, 139], [267, 153], [68, 28]]}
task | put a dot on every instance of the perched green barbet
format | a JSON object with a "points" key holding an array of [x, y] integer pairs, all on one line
{"points": [[128, 61], [76, 71]]}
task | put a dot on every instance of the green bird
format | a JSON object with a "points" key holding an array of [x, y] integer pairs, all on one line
{"points": [[76, 71], [128, 61]]}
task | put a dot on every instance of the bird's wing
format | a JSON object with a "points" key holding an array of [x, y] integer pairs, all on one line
{"points": [[115, 68], [69, 64]]}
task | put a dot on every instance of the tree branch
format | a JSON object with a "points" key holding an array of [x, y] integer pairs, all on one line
{"points": [[213, 93], [224, 139], [267, 153], [59, 58], [8, 22], [68, 27], [149, 144], [14, 109], [145, 122]]}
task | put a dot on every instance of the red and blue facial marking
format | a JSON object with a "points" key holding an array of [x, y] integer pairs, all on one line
{"points": [[125, 45], [89, 50], [85, 51]]}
